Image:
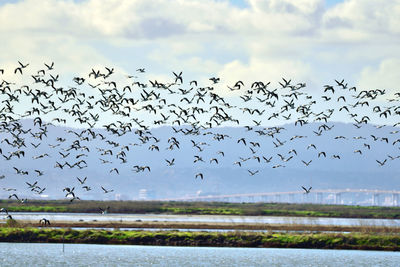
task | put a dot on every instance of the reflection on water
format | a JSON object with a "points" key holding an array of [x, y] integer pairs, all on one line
{"points": [[88, 217], [23, 254]]}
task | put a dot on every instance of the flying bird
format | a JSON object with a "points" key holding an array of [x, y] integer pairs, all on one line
{"points": [[199, 175], [307, 191], [106, 190]]}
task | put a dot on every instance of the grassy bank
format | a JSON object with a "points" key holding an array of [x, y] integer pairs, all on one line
{"points": [[370, 229], [206, 208], [231, 239]]}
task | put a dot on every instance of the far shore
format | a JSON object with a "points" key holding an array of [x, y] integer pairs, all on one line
{"points": [[212, 225], [203, 208]]}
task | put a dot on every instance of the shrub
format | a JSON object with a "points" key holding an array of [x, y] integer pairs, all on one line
{"points": [[12, 223]]}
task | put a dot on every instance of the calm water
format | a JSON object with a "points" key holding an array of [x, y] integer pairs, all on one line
{"points": [[36, 216], [23, 254]]}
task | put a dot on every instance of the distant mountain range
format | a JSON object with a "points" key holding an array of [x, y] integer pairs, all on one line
{"points": [[359, 150]]}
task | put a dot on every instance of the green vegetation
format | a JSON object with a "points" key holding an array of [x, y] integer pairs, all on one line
{"points": [[231, 239], [206, 210], [286, 227], [210, 208], [24, 208]]}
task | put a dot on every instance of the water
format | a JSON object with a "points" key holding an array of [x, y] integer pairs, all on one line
{"points": [[112, 217], [25, 254]]}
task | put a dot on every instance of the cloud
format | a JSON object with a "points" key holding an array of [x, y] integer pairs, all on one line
{"points": [[160, 18], [364, 18], [383, 76], [160, 28], [302, 39]]}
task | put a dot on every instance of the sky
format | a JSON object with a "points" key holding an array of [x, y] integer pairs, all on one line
{"points": [[312, 41]]}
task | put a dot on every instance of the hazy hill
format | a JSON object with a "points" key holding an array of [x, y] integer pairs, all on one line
{"points": [[352, 170]]}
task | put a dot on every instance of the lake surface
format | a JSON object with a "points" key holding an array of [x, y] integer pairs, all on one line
{"points": [[28, 254], [88, 217]]}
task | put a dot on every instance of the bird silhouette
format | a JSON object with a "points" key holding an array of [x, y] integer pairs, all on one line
{"points": [[199, 175], [307, 191]]}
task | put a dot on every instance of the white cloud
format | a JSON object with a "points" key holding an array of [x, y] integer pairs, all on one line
{"points": [[273, 39], [160, 18], [384, 76], [363, 19], [288, 16]]}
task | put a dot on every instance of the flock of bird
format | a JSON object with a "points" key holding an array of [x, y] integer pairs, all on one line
{"points": [[98, 103]]}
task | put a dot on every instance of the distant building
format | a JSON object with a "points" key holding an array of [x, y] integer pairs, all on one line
{"points": [[121, 197], [146, 194], [201, 193]]}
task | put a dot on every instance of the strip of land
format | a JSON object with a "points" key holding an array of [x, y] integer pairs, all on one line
{"points": [[204, 208], [230, 239], [212, 225]]}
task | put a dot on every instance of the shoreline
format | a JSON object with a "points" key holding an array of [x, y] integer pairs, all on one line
{"points": [[356, 241], [214, 225]]}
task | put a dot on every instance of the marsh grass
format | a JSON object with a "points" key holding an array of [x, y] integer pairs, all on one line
{"points": [[289, 227], [206, 208], [12, 223], [231, 239]]}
